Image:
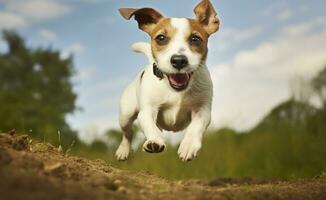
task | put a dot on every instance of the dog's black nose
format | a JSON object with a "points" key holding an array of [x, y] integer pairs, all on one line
{"points": [[179, 61]]}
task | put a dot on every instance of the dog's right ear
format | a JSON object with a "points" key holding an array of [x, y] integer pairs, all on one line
{"points": [[146, 17]]}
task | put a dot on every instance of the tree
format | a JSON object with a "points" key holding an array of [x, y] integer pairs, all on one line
{"points": [[290, 112], [36, 91], [319, 85], [298, 110]]}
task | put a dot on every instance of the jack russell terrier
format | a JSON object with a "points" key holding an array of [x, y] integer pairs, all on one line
{"points": [[174, 92]]}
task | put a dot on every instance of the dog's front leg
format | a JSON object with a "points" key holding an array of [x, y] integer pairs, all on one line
{"points": [[191, 143], [147, 119]]}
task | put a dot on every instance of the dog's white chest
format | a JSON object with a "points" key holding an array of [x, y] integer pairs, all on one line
{"points": [[174, 116]]}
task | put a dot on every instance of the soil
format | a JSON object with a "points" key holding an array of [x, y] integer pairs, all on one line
{"points": [[33, 170]]}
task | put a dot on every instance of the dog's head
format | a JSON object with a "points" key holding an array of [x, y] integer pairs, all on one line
{"points": [[179, 45]]}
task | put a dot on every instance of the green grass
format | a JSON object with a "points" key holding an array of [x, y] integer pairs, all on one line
{"points": [[283, 150]]}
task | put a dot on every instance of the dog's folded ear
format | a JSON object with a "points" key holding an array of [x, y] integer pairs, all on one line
{"points": [[206, 16], [146, 17]]}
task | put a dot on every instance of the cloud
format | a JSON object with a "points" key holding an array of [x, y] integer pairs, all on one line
{"points": [[285, 15], [73, 49], [95, 128], [38, 10], [101, 101], [97, 117], [273, 8], [10, 20], [85, 74], [230, 36], [47, 35], [305, 27], [255, 80], [21, 14]]}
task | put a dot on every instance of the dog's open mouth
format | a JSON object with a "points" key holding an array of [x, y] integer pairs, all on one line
{"points": [[179, 81]]}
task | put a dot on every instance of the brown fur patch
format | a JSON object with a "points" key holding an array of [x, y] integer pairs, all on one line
{"points": [[165, 28], [146, 17], [198, 30], [206, 16]]}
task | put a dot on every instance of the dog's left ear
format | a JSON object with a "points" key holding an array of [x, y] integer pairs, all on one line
{"points": [[206, 16], [146, 17]]}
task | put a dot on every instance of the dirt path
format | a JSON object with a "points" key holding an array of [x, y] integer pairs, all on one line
{"points": [[30, 170]]}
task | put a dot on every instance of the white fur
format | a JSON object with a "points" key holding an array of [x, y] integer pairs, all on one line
{"points": [[157, 106], [178, 45]]}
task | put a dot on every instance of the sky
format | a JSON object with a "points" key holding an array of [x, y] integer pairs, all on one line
{"points": [[262, 47]]}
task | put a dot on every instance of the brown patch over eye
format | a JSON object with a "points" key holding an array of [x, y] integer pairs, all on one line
{"points": [[197, 38], [161, 35]]}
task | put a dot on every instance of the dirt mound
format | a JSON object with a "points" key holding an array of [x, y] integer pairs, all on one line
{"points": [[32, 170]]}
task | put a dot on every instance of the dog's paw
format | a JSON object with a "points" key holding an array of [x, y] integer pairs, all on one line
{"points": [[154, 145], [122, 152], [189, 148]]}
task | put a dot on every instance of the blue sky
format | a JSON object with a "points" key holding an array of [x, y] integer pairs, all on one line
{"points": [[256, 59]]}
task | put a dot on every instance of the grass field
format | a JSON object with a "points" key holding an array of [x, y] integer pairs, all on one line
{"points": [[283, 151]]}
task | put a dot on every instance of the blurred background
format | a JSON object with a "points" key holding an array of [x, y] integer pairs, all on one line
{"points": [[64, 64]]}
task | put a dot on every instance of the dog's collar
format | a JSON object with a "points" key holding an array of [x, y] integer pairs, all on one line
{"points": [[157, 72]]}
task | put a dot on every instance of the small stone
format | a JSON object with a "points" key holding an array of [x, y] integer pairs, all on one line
{"points": [[110, 185], [54, 168], [117, 182], [21, 142], [122, 189]]}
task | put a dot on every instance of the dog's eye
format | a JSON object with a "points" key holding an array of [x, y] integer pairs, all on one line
{"points": [[161, 39], [195, 40]]}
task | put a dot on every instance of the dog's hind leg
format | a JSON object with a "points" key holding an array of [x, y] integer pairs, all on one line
{"points": [[128, 114]]}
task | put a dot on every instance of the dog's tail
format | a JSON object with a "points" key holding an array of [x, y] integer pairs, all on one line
{"points": [[145, 48]]}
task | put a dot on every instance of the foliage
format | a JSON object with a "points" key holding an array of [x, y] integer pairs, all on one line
{"points": [[36, 92], [319, 85]]}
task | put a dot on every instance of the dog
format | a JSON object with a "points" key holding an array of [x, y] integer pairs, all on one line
{"points": [[174, 91]]}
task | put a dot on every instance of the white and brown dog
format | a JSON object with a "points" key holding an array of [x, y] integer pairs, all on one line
{"points": [[174, 92]]}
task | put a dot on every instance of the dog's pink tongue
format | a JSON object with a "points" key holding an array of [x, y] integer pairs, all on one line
{"points": [[179, 79]]}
